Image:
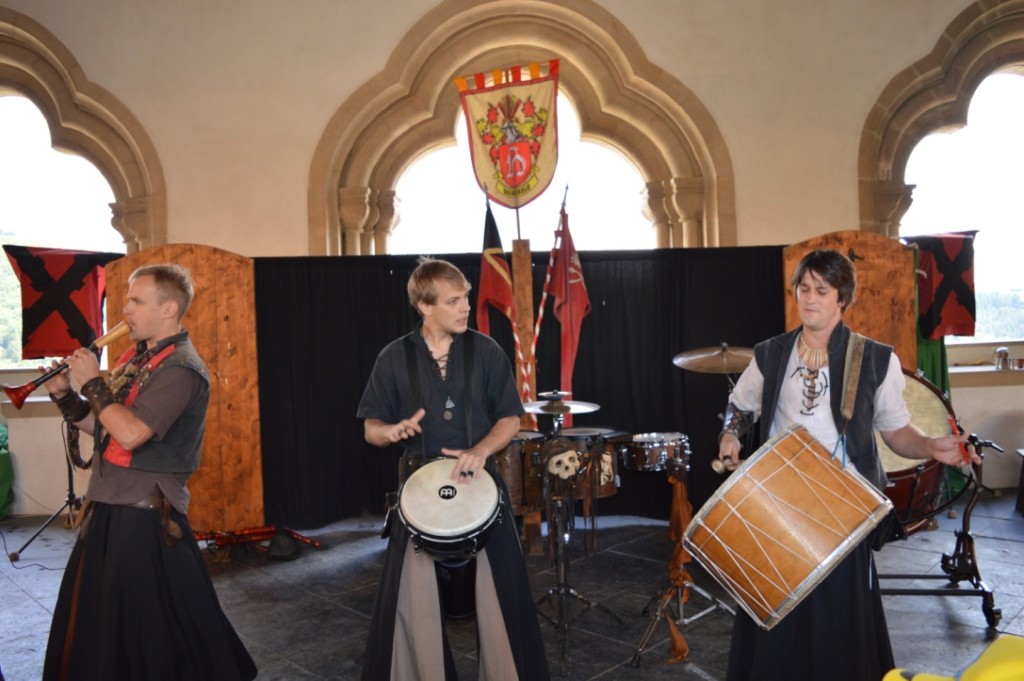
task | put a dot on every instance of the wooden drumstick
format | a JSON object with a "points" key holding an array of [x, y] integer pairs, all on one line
{"points": [[718, 466], [958, 431]]}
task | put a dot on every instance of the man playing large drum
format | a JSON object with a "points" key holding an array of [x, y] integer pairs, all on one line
{"points": [[445, 390], [838, 631]]}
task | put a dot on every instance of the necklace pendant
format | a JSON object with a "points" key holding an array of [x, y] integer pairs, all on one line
{"points": [[447, 415]]}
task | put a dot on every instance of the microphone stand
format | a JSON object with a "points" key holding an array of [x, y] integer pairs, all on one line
{"points": [[72, 503]]}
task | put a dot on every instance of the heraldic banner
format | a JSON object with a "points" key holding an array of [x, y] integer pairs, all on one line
{"points": [[513, 139]]}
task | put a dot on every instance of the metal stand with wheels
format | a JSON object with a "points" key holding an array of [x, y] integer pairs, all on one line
{"points": [[962, 564]]}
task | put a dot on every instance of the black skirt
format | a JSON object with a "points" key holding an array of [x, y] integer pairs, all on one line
{"points": [[130, 607], [838, 632]]}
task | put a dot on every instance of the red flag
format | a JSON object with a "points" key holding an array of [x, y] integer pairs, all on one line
{"points": [[572, 303], [495, 278], [61, 297], [945, 284]]}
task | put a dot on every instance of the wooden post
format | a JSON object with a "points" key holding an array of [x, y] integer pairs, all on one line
{"points": [[522, 288]]}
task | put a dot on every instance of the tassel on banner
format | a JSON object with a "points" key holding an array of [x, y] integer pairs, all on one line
{"points": [[511, 74]]}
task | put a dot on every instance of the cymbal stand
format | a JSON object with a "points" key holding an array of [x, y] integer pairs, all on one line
{"points": [[72, 503], [962, 564], [561, 510]]}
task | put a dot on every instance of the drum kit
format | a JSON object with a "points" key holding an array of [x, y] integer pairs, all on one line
{"points": [[568, 464]]}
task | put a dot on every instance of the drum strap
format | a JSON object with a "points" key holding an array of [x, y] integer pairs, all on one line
{"points": [[854, 359]]}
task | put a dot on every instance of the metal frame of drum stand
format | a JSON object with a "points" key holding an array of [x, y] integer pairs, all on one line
{"points": [[674, 601], [962, 564], [563, 508], [676, 593], [72, 503], [562, 523]]}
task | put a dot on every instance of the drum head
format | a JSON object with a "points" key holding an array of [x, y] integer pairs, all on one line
{"points": [[526, 435], [929, 411], [430, 503], [575, 433]]}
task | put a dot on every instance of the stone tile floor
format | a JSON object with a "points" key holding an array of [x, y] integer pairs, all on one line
{"points": [[307, 618]]}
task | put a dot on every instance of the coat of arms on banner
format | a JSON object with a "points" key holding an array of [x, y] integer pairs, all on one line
{"points": [[513, 139]]}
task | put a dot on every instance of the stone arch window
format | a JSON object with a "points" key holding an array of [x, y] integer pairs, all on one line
{"points": [[86, 120], [622, 99], [930, 96]]}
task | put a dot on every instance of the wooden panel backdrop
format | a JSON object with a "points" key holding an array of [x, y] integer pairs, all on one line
{"points": [[227, 490], [885, 308]]}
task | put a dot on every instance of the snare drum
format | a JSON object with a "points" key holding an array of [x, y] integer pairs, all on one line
{"points": [[602, 474], [781, 523], [914, 484], [449, 521], [656, 452]]}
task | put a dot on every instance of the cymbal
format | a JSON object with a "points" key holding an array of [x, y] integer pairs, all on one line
{"points": [[553, 407], [720, 360]]}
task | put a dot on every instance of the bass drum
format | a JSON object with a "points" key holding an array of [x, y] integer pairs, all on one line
{"points": [[915, 484]]}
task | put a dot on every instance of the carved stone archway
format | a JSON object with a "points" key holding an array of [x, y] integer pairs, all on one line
{"points": [[622, 99], [88, 121], [931, 96]]}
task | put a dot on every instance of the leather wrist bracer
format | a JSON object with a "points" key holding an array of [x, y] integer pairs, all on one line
{"points": [[99, 395], [72, 406], [736, 421]]}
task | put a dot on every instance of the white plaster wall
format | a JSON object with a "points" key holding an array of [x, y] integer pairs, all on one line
{"points": [[235, 94], [790, 84], [994, 413], [36, 443]]}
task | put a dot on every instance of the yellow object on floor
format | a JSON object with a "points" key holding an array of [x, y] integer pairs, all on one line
{"points": [[1001, 661]]}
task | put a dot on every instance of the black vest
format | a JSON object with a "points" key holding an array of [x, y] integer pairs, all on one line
{"points": [[772, 356], [180, 449]]}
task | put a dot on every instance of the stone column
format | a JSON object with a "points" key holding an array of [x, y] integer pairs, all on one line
{"points": [[131, 220], [688, 201], [655, 210], [357, 210], [892, 200], [389, 217]]}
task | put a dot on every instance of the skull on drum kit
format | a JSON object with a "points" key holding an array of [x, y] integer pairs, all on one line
{"points": [[565, 465]]}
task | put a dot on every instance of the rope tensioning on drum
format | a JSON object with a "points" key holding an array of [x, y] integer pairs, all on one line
{"points": [[774, 579], [758, 535], [837, 475]]}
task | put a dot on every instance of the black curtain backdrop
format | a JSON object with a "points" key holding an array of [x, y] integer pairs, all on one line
{"points": [[322, 320]]}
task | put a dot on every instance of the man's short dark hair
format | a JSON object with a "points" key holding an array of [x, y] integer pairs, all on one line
{"points": [[172, 282], [835, 268]]}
